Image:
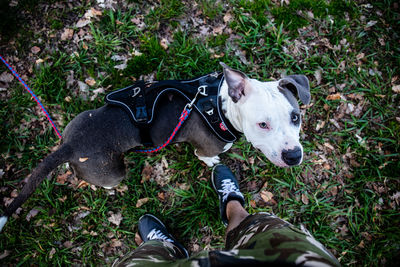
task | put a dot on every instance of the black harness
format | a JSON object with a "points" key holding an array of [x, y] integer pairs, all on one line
{"points": [[140, 101]]}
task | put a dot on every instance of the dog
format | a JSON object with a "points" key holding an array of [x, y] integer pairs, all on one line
{"points": [[267, 113]]}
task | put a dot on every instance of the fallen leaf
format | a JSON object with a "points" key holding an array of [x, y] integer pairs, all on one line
{"points": [[396, 89], [32, 213], [333, 97], [164, 43], [227, 17], [67, 34], [90, 81], [318, 76], [141, 202], [146, 172], [184, 186], [6, 77], [253, 203], [82, 23], [83, 159], [115, 218], [161, 196], [14, 193], [67, 244], [82, 184], [304, 199], [122, 189], [115, 243], [35, 49], [4, 254], [52, 252], [266, 195], [61, 179]]}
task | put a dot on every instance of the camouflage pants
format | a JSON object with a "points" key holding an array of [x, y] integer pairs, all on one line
{"points": [[260, 239]]}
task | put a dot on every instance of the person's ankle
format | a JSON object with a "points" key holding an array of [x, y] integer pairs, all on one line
{"points": [[234, 207]]}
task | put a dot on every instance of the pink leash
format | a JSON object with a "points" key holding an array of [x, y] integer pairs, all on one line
{"points": [[33, 95], [184, 115]]}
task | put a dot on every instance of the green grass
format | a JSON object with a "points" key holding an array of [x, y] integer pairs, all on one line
{"points": [[344, 196]]}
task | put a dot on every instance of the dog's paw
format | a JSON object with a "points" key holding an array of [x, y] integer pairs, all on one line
{"points": [[210, 161]]}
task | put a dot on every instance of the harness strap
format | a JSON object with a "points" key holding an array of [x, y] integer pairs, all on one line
{"points": [[184, 115]]}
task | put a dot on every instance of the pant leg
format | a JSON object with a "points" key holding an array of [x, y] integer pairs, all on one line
{"points": [[151, 253], [265, 237]]}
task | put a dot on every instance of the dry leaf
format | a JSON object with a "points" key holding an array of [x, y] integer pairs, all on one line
{"points": [[83, 159], [90, 81], [116, 243], [141, 202], [161, 196], [82, 184], [61, 179], [333, 97], [35, 49], [253, 203], [67, 244], [52, 252], [115, 218], [82, 23], [164, 43], [227, 17], [67, 34], [266, 195], [32, 213], [6, 77], [4, 254], [122, 189], [318, 76], [396, 89], [304, 199]]}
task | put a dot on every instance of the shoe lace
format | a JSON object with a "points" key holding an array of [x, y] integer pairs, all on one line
{"points": [[228, 187], [157, 234]]}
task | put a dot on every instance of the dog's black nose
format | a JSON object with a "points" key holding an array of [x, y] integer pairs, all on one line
{"points": [[292, 156]]}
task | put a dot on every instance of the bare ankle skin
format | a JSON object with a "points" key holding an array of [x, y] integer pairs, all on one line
{"points": [[235, 213]]}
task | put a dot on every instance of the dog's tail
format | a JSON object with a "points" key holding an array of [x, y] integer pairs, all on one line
{"points": [[63, 154]]}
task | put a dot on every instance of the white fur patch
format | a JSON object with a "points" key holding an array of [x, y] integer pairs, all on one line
{"points": [[210, 161], [227, 147], [3, 221], [108, 187]]}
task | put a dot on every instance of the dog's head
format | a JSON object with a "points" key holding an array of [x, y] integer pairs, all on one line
{"points": [[268, 113]]}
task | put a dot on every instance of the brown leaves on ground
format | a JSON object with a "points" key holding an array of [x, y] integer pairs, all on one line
{"points": [[115, 218], [141, 202], [160, 173]]}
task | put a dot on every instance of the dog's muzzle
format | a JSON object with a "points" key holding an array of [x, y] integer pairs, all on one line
{"points": [[292, 156]]}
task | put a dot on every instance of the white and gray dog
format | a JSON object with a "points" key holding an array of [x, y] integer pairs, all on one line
{"points": [[267, 113]]}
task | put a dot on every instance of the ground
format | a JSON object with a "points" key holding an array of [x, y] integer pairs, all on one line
{"points": [[346, 192]]}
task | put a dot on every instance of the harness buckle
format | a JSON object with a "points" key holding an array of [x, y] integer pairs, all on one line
{"points": [[202, 90], [210, 112]]}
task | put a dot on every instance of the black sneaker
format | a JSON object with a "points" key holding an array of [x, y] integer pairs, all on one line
{"points": [[151, 228], [227, 187]]}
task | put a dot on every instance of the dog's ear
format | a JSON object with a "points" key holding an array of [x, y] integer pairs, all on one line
{"points": [[298, 85], [237, 82]]}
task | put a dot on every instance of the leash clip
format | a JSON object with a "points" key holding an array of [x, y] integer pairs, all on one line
{"points": [[200, 90]]}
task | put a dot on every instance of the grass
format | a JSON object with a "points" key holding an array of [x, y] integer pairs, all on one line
{"points": [[344, 192]]}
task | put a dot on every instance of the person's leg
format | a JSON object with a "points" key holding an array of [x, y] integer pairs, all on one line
{"points": [[262, 237], [158, 247], [235, 214]]}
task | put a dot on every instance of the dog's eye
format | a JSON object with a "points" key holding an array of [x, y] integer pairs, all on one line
{"points": [[263, 125], [295, 117]]}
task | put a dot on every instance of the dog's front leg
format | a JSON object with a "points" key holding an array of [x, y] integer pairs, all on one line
{"points": [[206, 154]]}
